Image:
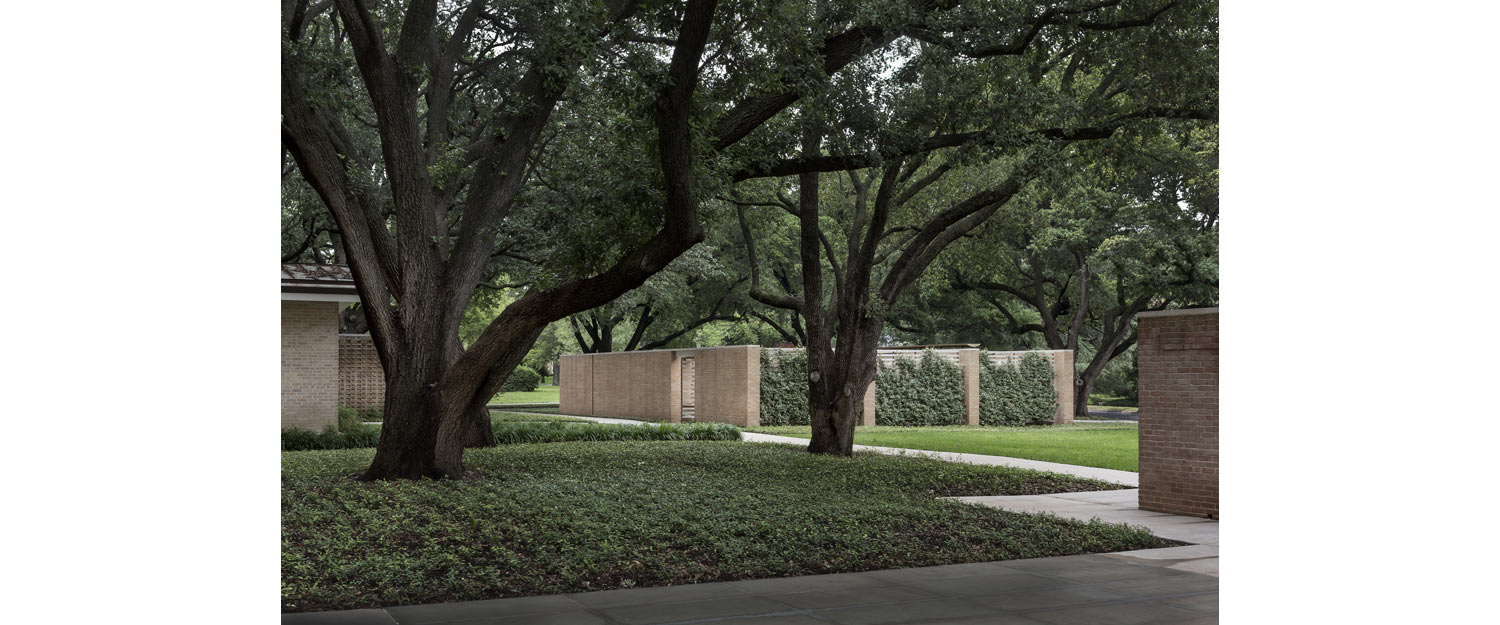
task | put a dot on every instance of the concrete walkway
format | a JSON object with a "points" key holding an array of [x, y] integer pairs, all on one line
{"points": [[1120, 506], [1126, 478], [1088, 589]]}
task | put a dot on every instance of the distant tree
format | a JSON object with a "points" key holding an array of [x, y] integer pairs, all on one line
{"points": [[917, 151], [1123, 236]]}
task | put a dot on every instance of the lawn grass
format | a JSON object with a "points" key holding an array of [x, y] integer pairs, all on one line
{"points": [[556, 518], [544, 394], [1112, 401], [1103, 445], [519, 416]]}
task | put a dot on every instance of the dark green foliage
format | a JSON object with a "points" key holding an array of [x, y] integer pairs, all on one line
{"points": [[522, 379], [350, 434], [557, 432], [783, 388], [1016, 393], [927, 391], [547, 519], [522, 428], [1119, 379]]}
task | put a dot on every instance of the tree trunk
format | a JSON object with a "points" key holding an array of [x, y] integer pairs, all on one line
{"points": [[425, 432], [407, 439], [1083, 385], [477, 429], [833, 429]]}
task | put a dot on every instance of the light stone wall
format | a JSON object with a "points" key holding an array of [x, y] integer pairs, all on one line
{"points": [[576, 388], [728, 380], [1062, 382], [648, 384], [635, 385], [968, 359], [309, 364]]}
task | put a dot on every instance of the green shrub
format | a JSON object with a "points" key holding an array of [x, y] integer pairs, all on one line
{"points": [[508, 433], [522, 379], [511, 431], [1119, 379], [1017, 393], [927, 391], [783, 388], [349, 434]]}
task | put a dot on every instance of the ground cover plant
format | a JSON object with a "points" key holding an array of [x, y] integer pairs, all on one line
{"points": [[1103, 445], [545, 519]]}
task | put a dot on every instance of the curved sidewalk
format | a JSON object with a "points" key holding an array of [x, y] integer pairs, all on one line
{"points": [[1127, 478]]}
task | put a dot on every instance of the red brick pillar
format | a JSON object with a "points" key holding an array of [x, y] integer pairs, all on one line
{"points": [[1178, 355]]}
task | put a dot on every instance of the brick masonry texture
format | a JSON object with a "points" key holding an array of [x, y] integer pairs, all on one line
{"points": [[361, 379], [309, 364], [648, 384], [728, 381], [1178, 354]]}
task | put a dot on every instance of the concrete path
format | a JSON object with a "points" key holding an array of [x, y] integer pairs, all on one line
{"points": [[1120, 506], [1126, 478], [1087, 589], [1113, 415]]}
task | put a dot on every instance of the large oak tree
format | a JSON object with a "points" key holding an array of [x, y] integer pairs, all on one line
{"points": [[428, 130]]}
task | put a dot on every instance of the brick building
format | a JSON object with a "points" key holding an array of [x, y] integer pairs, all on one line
{"points": [[311, 297], [1178, 352]]}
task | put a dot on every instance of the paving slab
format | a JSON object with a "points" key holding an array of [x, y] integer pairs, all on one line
{"points": [[1117, 506], [341, 617], [1070, 589]]}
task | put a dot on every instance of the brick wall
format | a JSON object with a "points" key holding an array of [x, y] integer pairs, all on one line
{"points": [[361, 379], [576, 384], [648, 384], [309, 364], [728, 384], [1178, 355], [634, 385]]}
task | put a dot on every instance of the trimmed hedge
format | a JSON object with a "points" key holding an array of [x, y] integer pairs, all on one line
{"points": [[927, 391], [349, 434], [522, 379], [1016, 393], [783, 388], [508, 432], [557, 432]]}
